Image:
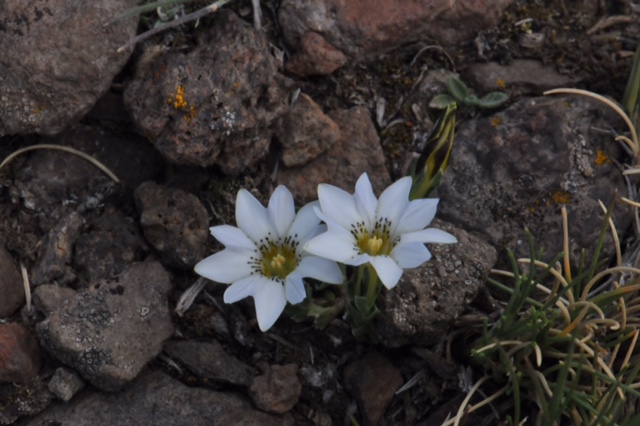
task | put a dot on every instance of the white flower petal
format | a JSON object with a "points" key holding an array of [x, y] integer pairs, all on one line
{"points": [[294, 289], [321, 269], [281, 210], [241, 289], [226, 266], [232, 237], [338, 205], [252, 217], [270, 301], [388, 270], [393, 202], [410, 255], [333, 226], [366, 201], [332, 246], [306, 224], [417, 216], [429, 235], [358, 260]]}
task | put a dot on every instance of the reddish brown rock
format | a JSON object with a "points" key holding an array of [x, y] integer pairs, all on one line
{"points": [[366, 28], [277, 390], [51, 78], [11, 287], [214, 104], [305, 132], [315, 56], [373, 381], [20, 356], [357, 151]]}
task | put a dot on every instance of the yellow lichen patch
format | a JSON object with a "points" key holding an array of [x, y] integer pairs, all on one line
{"points": [[178, 100], [561, 197], [190, 115], [37, 109], [496, 121], [501, 84], [601, 158]]}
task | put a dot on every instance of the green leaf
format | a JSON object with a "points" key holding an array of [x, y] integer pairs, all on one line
{"points": [[441, 102], [457, 89], [492, 100]]}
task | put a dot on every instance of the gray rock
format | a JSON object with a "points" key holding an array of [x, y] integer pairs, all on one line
{"points": [[373, 381], [53, 263], [58, 58], [429, 299], [516, 169], [357, 151], [210, 361], [305, 132], [157, 399], [11, 287], [65, 384], [111, 242], [213, 105], [174, 222], [522, 76], [109, 331], [20, 356], [364, 28], [277, 390]]}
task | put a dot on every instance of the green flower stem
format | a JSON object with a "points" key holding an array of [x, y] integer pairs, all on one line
{"points": [[373, 286]]}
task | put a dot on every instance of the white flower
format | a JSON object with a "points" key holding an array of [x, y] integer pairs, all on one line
{"points": [[263, 256], [389, 233]]}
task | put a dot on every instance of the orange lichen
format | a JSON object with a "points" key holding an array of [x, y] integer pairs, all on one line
{"points": [[496, 121], [561, 197], [501, 84], [190, 115], [601, 158]]}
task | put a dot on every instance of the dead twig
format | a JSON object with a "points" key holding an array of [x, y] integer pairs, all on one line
{"points": [[187, 18]]}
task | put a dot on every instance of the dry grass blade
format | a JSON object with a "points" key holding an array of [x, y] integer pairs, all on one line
{"points": [[176, 22], [27, 287], [633, 144], [70, 150]]}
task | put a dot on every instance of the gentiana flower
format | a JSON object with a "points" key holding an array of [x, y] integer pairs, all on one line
{"points": [[263, 256], [389, 233]]}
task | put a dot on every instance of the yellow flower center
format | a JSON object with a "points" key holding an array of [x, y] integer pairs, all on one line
{"points": [[278, 261], [375, 242]]}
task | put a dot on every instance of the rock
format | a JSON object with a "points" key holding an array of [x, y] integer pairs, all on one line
{"points": [[315, 56], [366, 28], [23, 399], [109, 331], [429, 299], [58, 58], [522, 76], [11, 287], [517, 168], [174, 222], [305, 132], [65, 384], [277, 390], [50, 184], [111, 242], [357, 151], [213, 105], [157, 399], [372, 380], [210, 361], [20, 357], [53, 263]]}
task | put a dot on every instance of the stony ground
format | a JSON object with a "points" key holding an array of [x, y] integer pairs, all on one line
{"points": [[321, 92]]}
